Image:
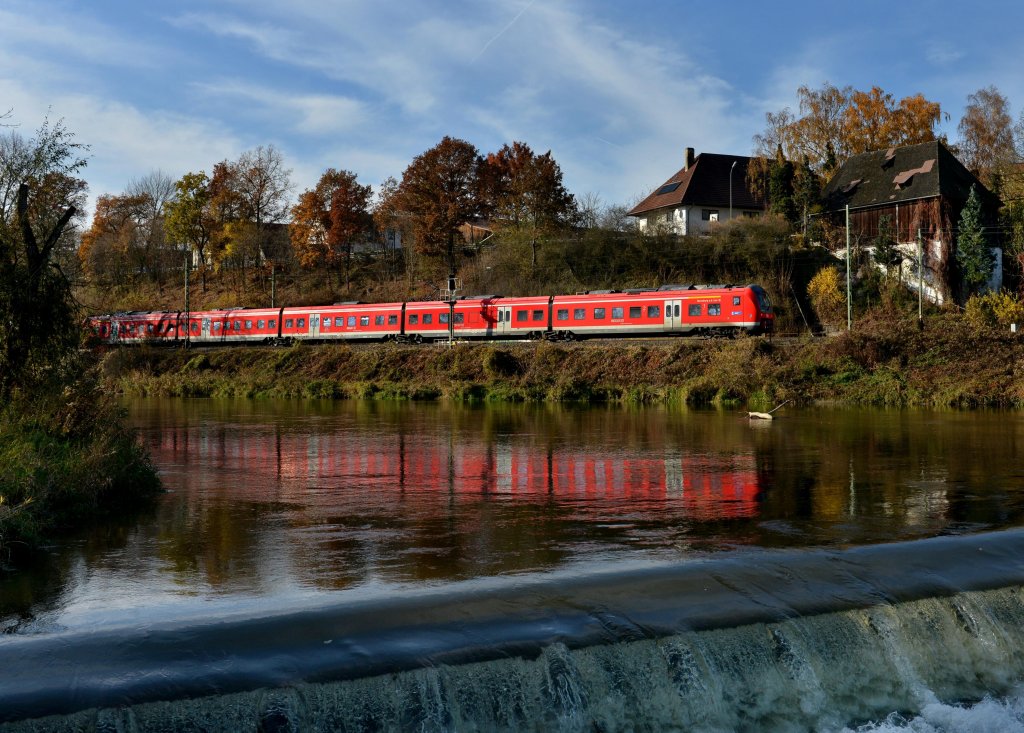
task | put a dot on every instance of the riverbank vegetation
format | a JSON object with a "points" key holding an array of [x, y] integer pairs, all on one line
{"points": [[887, 361], [65, 453]]}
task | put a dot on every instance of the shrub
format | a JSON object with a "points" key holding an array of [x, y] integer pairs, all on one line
{"points": [[994, 309], [826, 293]]}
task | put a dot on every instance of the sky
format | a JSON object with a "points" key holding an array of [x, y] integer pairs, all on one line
{"points": [[615, 90]]}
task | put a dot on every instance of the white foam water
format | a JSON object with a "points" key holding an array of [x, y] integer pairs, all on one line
{"points": [[989, 715]]}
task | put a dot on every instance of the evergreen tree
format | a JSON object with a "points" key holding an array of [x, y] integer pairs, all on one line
{"points": [[886, 253], [973, 253], [780, 187]]}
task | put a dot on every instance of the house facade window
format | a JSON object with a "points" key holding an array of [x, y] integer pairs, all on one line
{"points": [[709, 214]]}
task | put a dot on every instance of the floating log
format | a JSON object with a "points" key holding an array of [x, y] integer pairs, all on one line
{"points": [[766, 415]]}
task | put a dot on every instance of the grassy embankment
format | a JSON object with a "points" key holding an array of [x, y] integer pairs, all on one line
{"points": [[886, 361], [66, 458]]}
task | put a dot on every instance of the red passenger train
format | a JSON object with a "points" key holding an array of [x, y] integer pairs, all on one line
{"points": [[705, 310]]}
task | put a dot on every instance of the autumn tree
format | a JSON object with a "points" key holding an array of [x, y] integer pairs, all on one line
{"points": [[986, 143], [248, 203], [439, 191], [114, 248], [329, 219], [389, 223], [189, 218], [49, 163], [38, 326], [524, 190], [835, 123], [154, 191]]}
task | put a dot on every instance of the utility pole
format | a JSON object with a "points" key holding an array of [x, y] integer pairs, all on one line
{"points": [[188, 315], [849, 288], [920, 280], [453, 286]]}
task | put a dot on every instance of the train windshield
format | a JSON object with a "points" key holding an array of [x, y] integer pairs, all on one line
{"points": [[763, 301]]}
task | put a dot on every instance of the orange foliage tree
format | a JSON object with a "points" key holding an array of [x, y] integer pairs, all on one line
{"points": [[329, 219], [439, 191], [835, 123]]}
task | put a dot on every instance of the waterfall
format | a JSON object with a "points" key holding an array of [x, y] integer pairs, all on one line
{"points": [[813, 654]]}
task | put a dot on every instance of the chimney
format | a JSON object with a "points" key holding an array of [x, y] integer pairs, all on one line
{"points": [[688, 160]]}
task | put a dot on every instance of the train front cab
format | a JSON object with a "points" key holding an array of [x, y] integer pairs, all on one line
{"points": [[765, 314]]}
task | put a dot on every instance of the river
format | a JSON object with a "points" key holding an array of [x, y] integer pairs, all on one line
{"points": [[364, 565]]}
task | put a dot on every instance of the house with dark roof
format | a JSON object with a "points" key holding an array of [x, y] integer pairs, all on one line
{"points": [[709, 188], [909, 190]]}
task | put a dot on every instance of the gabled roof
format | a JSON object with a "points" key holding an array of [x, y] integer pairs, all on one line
{"points": [[895, 175], [704, 183]]}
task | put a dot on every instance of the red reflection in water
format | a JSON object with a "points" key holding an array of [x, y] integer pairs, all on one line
{"points": [[283, 466]]}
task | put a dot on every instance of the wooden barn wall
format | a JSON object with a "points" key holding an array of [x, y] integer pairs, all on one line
{"points": [[931, 216]]}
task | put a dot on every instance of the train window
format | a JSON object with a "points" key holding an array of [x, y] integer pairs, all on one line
{"points": [[501, 316], [617, 312], [272, 323], [195, 327], [301, 323], [216, 325], [714, 309], [149, 328], [413, 319], [261, 324], [635, 311], [378, 320], [654, 311], [538, 315], [522, 315], [428, 318], [364, 320], [460, 318], [325, 323], [599, 314], [677, 310], [392, 319], [563, 314], [579, 314], [248, 325], [443, 318], [352, 321], [693, 309], [735, 300], [238, 326]]}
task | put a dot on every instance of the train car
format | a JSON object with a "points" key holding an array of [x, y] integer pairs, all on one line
{"points": [[674, 309], [708, 310], [346, 322], [136, 327], [231, 326]]}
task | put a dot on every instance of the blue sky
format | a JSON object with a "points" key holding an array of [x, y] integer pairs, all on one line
{"points": [[615, 90]]}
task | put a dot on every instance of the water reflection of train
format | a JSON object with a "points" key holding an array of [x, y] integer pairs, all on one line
{"points": [[670, 310], [282, 465]]}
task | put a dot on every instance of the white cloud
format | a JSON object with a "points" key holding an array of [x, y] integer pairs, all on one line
{"points": [[24, 31], [314, 114], [125, 142]]}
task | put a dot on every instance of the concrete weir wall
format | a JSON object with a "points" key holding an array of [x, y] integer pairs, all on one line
{"points": [[769, 640]]}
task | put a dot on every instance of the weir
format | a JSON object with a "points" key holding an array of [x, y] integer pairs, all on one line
{"points": [[788, 640]]}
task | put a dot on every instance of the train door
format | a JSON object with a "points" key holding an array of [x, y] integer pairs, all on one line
{"points": [[504, 319], [673, 315], [206, 328], [314, 325]]}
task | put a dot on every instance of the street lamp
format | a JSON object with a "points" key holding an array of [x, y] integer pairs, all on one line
{"points": [[730, 188]]}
